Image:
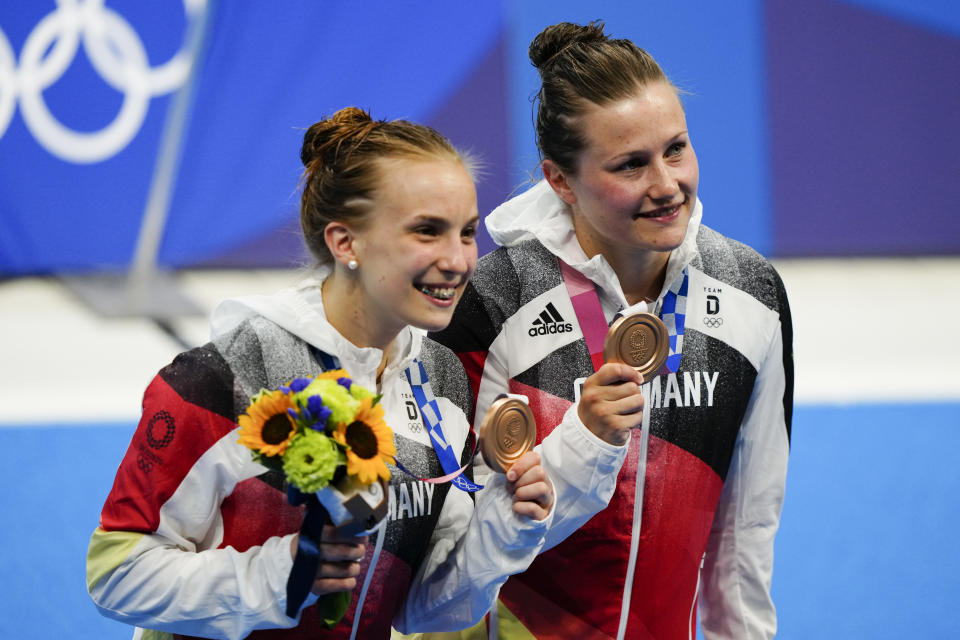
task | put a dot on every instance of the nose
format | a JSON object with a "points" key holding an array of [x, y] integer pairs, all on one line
{"points": [[457, 257], [663, 183]]}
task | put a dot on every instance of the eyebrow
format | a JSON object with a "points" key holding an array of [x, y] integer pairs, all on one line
{"points": [[439, 219], [643, 154]]}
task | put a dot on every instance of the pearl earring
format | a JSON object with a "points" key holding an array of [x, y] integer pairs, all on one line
{"points": [[352, 265]]}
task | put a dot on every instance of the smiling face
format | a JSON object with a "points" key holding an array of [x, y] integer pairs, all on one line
{"points": [[417, 246], [635, 182]]}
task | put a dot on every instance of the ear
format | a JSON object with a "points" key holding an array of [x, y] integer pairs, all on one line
{"points": [[340, 240], [558, 180]]}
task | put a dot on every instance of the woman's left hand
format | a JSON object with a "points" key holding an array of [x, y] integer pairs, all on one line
{"points": [[530, 486]]}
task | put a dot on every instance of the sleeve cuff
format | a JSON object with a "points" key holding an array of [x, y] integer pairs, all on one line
{"points": [[527, 531], [277, 564], [580, 432]]}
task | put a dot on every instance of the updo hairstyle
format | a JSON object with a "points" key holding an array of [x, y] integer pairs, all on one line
{"points": [[343, 157], [580, 64]]}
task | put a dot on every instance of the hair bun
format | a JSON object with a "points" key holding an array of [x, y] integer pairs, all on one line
{"points": [[557, 37], [351, 117], [327, 135]]}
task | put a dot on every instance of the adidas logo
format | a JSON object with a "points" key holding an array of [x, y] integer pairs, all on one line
{"points": [[550, 321]]}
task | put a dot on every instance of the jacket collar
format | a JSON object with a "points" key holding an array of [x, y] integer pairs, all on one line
{"points": [[299, 310]]}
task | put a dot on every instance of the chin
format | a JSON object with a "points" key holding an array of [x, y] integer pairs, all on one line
{"points": [[434, 323], [672, 238]]}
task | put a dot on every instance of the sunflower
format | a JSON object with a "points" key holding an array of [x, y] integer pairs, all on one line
{"points": [[369, 443], [266, 427], [333, 374]]}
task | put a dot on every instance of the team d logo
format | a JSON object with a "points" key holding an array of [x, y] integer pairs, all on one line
{"points": [[713, 305], [712, 319], [550, 321]]}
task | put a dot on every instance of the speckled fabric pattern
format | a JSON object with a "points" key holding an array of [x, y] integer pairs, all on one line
{"points": [[447, 376], [257, 367]]}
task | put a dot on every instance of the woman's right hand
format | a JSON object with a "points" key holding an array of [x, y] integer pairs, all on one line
{"points": [[339, 561], [611, 402]]}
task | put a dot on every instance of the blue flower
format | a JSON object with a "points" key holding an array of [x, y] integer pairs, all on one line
{"points": [[318, 411], [299, 384], [345, 383]]}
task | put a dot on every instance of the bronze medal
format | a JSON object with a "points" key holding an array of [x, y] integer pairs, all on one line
{"points": [[507, 432], [639, 340]]}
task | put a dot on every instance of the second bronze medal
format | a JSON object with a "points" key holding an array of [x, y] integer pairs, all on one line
{"points": [[507, 432]]}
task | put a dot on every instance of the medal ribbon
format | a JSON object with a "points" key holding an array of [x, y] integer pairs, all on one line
{"points": [[593, 323], [673, 312], [430, 410], [586, 305]]}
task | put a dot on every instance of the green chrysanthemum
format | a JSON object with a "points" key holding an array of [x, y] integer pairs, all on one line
{"points": [[361, 393], [311, 460], [342, 405]]}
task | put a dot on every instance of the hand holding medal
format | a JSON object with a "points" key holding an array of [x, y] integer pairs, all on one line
{"points": [[635, 347], [508, 434]]}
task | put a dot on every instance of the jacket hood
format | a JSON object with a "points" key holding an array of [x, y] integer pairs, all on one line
{"points": [[540, 214], [299, 310]]}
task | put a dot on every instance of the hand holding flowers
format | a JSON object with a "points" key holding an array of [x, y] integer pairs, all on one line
{"points": [[329, 437]]}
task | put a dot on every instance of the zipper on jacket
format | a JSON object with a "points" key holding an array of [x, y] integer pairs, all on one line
{"points": [[637, 511]]}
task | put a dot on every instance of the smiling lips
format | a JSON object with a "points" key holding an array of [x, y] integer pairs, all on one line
{"points": [[663, 213], [440, 293]]}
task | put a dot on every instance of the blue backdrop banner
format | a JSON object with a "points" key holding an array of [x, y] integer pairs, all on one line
{"points": [[816, 127]]}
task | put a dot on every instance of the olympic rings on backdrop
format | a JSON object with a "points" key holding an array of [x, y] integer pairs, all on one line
{"points": [[116, 52]]}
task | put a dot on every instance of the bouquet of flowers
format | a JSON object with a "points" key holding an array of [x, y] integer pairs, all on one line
{"points": [[319, 431], [329, 438]]}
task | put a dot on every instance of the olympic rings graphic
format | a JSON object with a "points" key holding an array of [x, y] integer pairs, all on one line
{"points": [[713, 323], [145, 465], [116, 52]]}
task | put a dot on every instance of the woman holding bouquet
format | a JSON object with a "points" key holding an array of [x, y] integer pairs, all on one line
{"points": [[198, 538]]}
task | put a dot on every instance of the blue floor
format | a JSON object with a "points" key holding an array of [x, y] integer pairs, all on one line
{"points": [[868, 540], [59, 477], [867, 546]]}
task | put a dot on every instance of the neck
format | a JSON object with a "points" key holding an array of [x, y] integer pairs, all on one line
{"points": [[352, 320], [641, 273], [641, 277]]}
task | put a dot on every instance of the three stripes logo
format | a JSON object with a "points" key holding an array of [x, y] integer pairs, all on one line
{"points": [[550, 321]]}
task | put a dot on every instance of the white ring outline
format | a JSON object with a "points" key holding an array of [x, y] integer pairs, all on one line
{"points": [[8, 79], [115, 51]]}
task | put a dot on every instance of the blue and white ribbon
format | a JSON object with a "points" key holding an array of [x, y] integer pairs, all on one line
{"points": [[430, 410], [673, 312]]}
